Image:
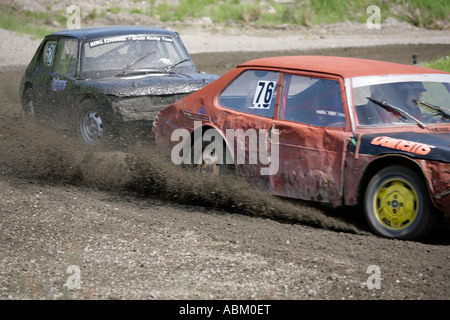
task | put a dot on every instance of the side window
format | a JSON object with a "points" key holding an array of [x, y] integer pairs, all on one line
{"points": [[66, 58], [312, 101], [253, 91], [48, 56]]}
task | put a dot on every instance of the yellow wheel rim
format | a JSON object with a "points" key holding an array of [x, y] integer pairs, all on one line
{"points": [[396, 204]]}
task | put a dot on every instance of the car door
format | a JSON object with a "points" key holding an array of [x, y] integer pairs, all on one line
{"points": [[311, 131], [41, 78], [60, 86], [55, 72], [250, 98]]}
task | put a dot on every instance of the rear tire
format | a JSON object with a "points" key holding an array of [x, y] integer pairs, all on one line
{"points": [[397, 205], [212, 161], [28, 106]]}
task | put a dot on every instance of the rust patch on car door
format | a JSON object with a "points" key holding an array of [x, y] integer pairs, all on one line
{"points": [[311, 163]]}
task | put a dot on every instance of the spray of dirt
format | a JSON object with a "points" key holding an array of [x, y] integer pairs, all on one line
{"points": [[32, 151], [154, 174]]}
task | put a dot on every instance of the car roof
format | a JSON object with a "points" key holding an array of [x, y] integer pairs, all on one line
{"points": [[341, 66], [106, 31]]}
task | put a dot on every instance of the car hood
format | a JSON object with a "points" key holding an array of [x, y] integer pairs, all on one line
{"points": [[147, 84], [430, 146]]}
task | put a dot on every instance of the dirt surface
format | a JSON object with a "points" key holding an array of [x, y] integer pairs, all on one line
{"points": [[129, 225]]}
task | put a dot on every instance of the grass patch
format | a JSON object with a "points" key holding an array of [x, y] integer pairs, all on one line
{"points": [[431, 14], [114, 10], [422, 13], [36, 24], [442, 63]]}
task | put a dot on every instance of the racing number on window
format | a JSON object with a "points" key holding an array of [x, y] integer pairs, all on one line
{"points": [[48, 57], [263, 95]]}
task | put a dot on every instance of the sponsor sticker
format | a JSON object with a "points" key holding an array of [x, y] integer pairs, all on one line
{"points": [[403, 145], [144, 37]]}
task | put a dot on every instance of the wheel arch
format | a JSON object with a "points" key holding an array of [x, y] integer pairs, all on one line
{"points": [[27, 85], [92, 102], [103, 102], [205, 127], [382, 162]]}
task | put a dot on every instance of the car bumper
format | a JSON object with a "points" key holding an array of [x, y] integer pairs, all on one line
{"points": [[133, 131], [438, 176], [143, 108]]}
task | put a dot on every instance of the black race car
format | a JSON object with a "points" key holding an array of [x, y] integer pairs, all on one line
{"points": [[102, 82]]}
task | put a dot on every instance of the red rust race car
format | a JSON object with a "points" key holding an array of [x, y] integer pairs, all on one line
{"points": [[340, 131]]}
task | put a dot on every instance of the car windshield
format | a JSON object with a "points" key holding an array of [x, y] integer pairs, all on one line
{"points": [[124, 55], [418, 100]]}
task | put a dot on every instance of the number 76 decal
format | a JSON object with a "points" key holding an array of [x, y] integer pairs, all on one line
{"points": [[263, 95]]}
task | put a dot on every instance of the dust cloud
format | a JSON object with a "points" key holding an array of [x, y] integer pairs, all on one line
{"points": [[40, 154]]}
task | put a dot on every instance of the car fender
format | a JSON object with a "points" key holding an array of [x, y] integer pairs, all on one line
{"points": [[364, 167]]}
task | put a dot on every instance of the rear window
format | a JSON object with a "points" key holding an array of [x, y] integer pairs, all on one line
{"points": [[253, 91], [48, 55]]}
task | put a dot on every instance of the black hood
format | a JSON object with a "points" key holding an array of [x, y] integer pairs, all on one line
{"points": [[430, 146], [147, 84]]}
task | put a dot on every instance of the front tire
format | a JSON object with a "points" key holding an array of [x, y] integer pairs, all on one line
{"points": [[397, 205], [90, 124]]}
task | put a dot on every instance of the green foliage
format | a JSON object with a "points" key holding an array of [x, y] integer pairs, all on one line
{"points": [[35, 24], [440, 64], [114, 9], [422, 13]]}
